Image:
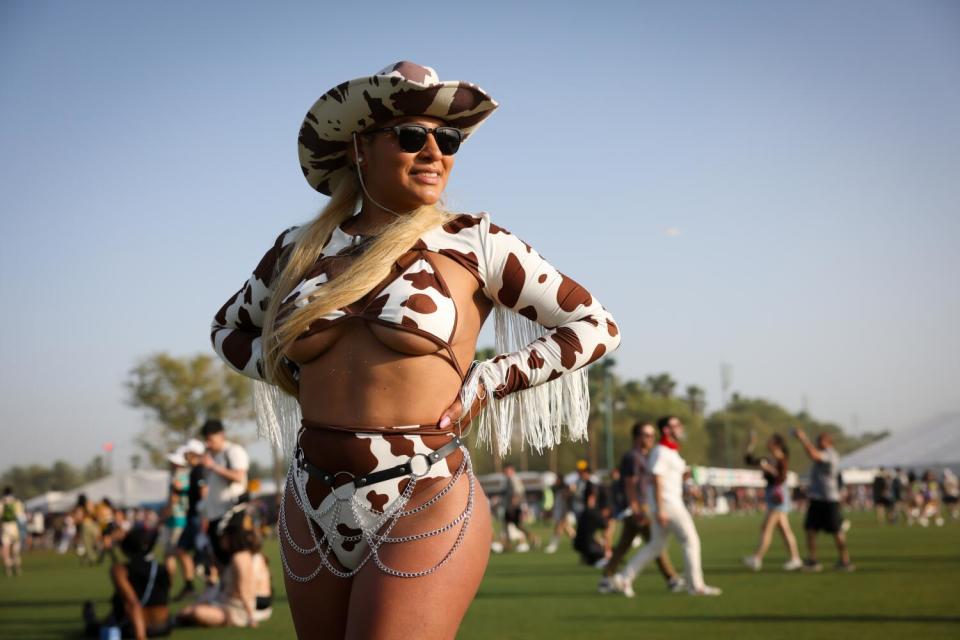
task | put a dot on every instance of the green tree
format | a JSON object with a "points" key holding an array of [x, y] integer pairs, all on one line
{"points": [[32, 480], [179, 393], [764, 417], [696, 399], [661, 384], [95, 470]]}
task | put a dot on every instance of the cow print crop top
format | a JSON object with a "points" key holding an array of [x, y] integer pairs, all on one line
{"points": [[414, 298]]}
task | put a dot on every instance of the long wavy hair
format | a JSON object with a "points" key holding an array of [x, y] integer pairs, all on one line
{"points": [[362, 275]]}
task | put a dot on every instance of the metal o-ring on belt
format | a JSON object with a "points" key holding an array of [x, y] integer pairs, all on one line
{"points": [[417, 466]]}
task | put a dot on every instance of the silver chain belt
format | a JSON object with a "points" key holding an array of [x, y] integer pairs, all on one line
{"points": [[385, 522]]}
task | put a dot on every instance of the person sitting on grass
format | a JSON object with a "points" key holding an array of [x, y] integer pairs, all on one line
{"points": [[245, 596], [141, 592]]}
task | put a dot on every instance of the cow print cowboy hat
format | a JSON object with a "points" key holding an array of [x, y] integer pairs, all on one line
{"points": [[402, 89]]}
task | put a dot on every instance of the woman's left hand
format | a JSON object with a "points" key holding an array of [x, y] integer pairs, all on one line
{"points": [[455, 412], [450, 416]]}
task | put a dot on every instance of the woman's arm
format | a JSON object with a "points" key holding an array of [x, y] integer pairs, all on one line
{"points": [[781, 470], [131, 603], [246, 584], [237, 326], [580, 330]]}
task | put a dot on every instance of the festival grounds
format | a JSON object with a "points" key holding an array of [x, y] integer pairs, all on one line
{"points": [[907, 585]]}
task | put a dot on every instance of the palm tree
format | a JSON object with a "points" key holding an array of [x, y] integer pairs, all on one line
{"points": [[696, 399], [661, 384]]}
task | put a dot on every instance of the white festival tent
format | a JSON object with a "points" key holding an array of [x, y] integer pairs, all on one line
{"points": [[934, 444], [144, 487]]}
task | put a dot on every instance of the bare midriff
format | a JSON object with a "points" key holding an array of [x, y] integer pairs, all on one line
{"points": [[364, 374]]}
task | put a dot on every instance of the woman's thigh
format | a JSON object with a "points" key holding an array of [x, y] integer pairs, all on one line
{"points": [[384, 606], [319, 605]]}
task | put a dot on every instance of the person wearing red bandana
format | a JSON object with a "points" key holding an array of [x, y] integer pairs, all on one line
{"points": [[670, 515]]}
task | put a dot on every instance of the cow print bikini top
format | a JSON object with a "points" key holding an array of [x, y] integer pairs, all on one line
{"points": [[413, 305], [412, 299]]}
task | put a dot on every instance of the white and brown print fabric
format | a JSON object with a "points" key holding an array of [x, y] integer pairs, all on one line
{"points": [[346, 527], [511, 273], [401, 89]]}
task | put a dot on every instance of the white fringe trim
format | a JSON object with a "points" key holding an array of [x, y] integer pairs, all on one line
{"points": [[539, 413], [278, 416]]}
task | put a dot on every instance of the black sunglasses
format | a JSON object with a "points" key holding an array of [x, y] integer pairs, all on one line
{"points": [[413, 137]]}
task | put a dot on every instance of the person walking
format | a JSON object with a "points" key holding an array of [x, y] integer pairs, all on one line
{"points": [[514, 498], [823, 513], [670, 515], [561, 513], [634, 480], [776, 497]]}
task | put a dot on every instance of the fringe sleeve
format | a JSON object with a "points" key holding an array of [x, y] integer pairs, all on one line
{"points": [[236, 334], [548, 328]]}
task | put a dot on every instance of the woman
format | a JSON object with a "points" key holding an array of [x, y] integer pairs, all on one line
{"points": [[141, 592], [245, 598], [366, 319], [88, 531], [776, 497]]}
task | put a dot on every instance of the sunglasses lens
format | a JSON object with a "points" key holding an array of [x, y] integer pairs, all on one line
{"points": [[448, 140], [411, 138]]}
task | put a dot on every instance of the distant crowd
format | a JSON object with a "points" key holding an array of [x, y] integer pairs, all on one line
{"points": [[901, 496], [208, 528], [212, 532], [648, 500]]}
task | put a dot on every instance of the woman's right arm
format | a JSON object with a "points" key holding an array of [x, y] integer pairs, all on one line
{"points": [[237, 327]]}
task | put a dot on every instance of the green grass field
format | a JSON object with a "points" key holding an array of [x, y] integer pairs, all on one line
{"points": [[906, 585]]}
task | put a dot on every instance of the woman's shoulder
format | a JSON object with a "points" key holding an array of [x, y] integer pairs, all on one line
{"points": [[475, 229], [288, 236]]}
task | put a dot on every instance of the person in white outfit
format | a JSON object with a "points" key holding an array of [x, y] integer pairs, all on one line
{"points": [[670, 515]]}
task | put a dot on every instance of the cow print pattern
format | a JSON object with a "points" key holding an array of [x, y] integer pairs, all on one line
{"points": [[413, 296], [372, 452], [402, 89], [509, 271]]}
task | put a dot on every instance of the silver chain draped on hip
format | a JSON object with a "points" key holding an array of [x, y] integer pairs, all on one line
{"points": [[385, 521]]}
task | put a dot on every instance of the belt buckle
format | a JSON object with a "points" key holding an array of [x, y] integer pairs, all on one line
{"points": [[425, 465], [346, 490]]}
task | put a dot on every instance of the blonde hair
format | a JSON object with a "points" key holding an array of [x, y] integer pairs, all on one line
{"points": [[362, 275]]}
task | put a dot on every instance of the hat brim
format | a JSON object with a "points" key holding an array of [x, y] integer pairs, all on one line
{"points": [[177, 459], [358, 104]]}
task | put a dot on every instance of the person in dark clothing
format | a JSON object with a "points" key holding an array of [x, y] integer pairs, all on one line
{"points": [[141, 592], [187, 546], [592, 519]]}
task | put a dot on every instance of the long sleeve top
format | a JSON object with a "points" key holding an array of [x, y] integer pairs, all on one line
{"points": [[579, 330]]}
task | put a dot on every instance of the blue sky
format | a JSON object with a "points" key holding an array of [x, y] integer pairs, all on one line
{"points": [[775, 185]]}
